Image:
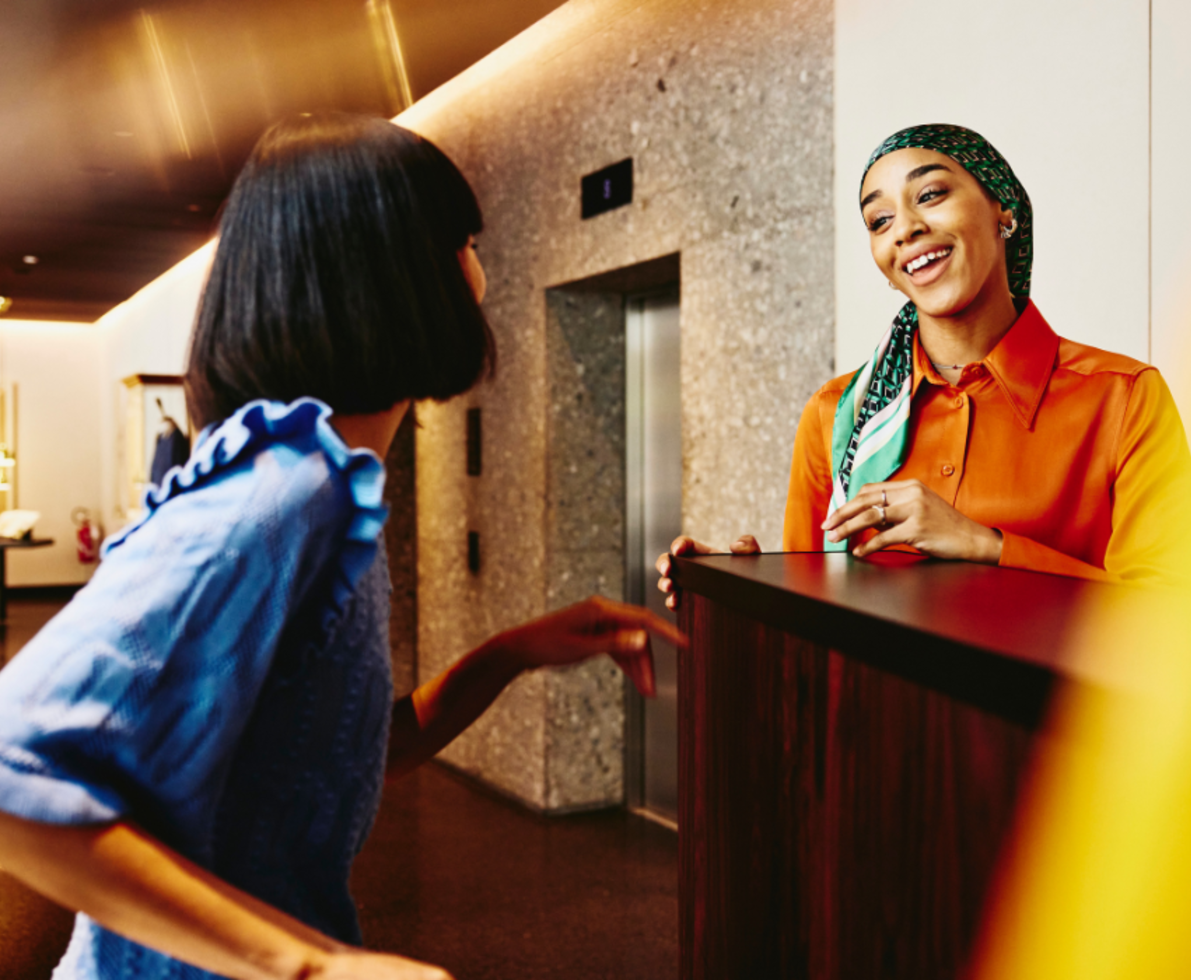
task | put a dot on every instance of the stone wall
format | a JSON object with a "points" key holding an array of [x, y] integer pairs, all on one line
{"points": [[726, 109], [401, 544]]}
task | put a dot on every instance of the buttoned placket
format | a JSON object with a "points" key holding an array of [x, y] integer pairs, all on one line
{"points": [[948, 471]]}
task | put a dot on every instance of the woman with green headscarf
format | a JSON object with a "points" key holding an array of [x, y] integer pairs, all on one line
{"points": [[974, 432]]}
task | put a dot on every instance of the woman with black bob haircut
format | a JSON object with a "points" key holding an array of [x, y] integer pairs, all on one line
{"points": [[338, 275], [192, 751]]}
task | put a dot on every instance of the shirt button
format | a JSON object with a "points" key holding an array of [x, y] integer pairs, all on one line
{"points": [[959, 402], [947, 469]]}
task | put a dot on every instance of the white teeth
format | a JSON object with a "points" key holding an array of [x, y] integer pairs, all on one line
{"points": [[924, 260]]}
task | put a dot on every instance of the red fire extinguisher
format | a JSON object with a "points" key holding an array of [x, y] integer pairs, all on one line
{"points": [[88, 533]]}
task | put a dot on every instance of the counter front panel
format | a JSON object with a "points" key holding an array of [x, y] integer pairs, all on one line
{"points": [[852, 742]]}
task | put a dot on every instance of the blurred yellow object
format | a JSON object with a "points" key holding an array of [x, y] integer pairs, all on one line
{"points": [[1097, 883]]}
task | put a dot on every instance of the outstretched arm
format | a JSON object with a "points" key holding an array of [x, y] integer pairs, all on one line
{"points": [[439, 710], [134, 885]]}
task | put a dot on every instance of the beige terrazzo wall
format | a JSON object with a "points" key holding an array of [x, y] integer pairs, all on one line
{"points": [[726, 108], [401, 546]]}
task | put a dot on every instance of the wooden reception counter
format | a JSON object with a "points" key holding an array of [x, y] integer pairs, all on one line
{"points": [[851, 742]]}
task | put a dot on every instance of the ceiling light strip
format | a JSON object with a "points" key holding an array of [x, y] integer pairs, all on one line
{"points": [[385, 27], [157, 55]]}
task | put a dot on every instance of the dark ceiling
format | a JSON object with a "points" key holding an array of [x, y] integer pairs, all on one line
{"points": [[123, 124]]}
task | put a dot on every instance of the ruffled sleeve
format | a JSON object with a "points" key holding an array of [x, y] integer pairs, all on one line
{"points": [[130, 702]]}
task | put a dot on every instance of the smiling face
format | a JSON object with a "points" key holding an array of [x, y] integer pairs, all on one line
{"points": [[935, 232]]}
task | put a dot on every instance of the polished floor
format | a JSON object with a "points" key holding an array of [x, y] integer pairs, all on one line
{"points": [[28, 611], [489, 892], [460, 877]]}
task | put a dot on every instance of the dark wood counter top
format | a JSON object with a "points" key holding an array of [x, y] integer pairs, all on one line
{"points": [[993, 637]]}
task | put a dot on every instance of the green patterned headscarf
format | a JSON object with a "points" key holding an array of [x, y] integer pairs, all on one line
{"points": [[870, 437]]}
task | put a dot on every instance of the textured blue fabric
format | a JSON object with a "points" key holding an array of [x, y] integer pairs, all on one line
{"points": [[223, 680]]}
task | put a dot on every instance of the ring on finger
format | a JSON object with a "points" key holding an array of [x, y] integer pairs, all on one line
{"points": [[884, 499], [880, 510]]}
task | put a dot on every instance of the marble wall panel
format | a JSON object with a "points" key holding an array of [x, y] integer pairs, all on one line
{"points": [[726, 108], [585, 533], [401, 543], [586, 437]]}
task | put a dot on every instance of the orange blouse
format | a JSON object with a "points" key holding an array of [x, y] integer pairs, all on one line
{"points": [[1077, 456]]}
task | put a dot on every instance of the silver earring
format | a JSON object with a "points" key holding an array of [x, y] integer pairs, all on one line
{"points": [[891, 284], [1008, 231]]}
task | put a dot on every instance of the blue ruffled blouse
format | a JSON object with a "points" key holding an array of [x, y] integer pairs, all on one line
{"points": [[223, 681]]}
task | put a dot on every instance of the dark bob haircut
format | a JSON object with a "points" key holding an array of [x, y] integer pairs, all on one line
{"points": [[337, 275]]}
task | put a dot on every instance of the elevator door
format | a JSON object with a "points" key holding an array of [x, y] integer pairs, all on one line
{"points": [[653, 447]]}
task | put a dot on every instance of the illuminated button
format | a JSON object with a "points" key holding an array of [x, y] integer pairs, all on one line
{"points": [[947, 469]]}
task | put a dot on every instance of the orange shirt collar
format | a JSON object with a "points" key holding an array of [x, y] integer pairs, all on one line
{"points": [[1021, 363]]}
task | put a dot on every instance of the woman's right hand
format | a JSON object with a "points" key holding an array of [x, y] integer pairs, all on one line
{"points": [[746, 544], [358, 964]]}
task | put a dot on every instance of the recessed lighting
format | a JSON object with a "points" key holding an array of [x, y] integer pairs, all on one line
{"points": [[5, 305], [30, 260]]}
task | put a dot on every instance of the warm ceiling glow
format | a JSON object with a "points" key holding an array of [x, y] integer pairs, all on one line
{"points": [[156, 55], [527, 51], [388, 49]]}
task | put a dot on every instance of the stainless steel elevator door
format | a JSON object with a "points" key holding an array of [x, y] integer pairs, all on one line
{"points": [[653, 471]]}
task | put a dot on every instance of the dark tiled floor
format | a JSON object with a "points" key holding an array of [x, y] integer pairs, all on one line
{"points": [[457, 876], [33, 932], [477, 885], [28, 611]]}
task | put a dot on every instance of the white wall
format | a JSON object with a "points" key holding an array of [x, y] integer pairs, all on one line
{"points": [[1170, 197], [148, 334], [57, 368], [1061, 88], [69, 379]]}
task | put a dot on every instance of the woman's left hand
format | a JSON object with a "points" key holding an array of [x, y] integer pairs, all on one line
{"points": [[592, 627], [915, 515]]}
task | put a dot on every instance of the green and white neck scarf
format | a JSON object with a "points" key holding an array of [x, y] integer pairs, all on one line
{"points": [[870, 437]]}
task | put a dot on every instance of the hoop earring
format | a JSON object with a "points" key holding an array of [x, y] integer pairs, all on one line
{"points": [[892, 285], [1008, 231]]}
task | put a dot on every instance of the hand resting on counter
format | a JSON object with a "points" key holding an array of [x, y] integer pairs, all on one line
{"points": [[909, 512], [746, 544]]}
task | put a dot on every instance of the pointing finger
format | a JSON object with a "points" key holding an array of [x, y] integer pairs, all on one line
{"points": [[616, 617], [640, 671]]}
